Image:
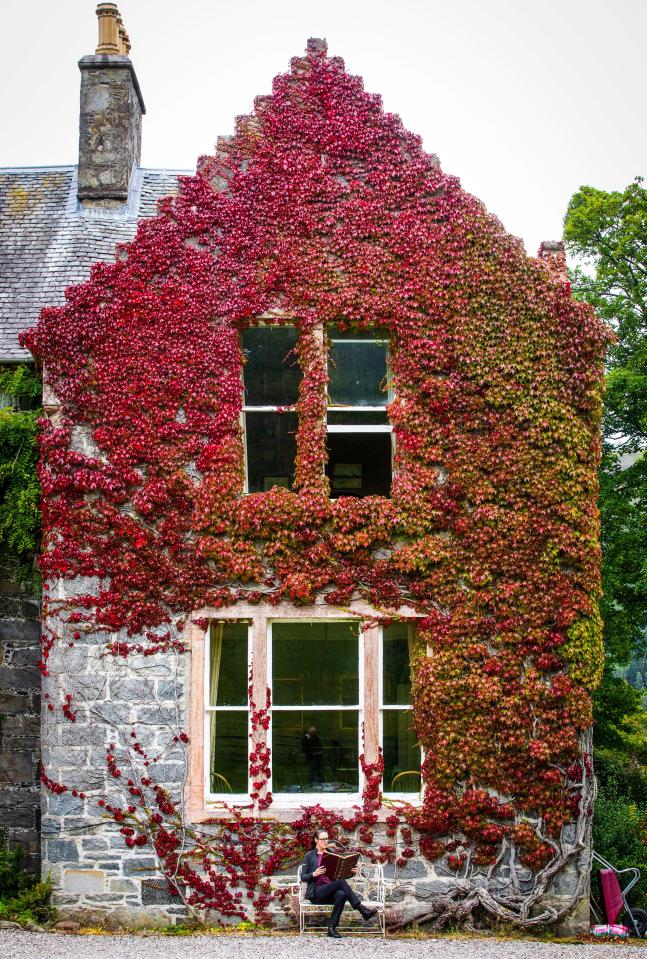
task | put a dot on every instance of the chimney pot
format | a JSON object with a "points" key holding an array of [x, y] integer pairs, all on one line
{"points": [[124, 41], [317, 47], [109, 18]]}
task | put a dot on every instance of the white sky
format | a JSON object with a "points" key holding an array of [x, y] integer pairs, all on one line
{"points": [[523, 100]]}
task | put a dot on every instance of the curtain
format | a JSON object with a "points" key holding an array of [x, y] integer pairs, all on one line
{"points": [[411, 638], [215, 658]]}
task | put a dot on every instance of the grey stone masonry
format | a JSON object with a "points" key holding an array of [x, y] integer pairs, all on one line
{"points": [[110, 129], [99, 878], [19, 715]]}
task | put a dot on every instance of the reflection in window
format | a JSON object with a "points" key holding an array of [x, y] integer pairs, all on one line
{"points": [[271, 373], [315, 711], [402, 757], [271, 380], [227, 706], [359, 464], [271, 450], [357, 368]]}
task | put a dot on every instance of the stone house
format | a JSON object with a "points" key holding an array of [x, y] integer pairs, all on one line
{"points": [[320, 533]]}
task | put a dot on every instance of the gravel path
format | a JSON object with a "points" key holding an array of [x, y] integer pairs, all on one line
{"points": [[30, 945]]}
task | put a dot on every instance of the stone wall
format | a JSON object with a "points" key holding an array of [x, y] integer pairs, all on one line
{"points": [[19, 714], [98, 878]]}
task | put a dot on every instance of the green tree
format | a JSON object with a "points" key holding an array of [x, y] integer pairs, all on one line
{"points": [[607, 232], [20, 391]]}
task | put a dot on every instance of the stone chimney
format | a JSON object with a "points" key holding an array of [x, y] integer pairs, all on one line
{"points": [[551, 252], [110, 126]]}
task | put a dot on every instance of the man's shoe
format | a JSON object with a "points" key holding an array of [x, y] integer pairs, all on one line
{"points": [[333, 932], [366, 912]]}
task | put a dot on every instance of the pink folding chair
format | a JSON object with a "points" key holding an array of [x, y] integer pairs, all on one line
{"points": [[614, 897]]}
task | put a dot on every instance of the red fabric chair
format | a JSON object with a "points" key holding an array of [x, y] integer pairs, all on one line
{"points": [[612, 895]]}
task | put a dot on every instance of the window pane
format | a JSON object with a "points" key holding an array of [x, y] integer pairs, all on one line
{"points": [[396, 676], [401, 752], [315, 663], [228, 664], [357, 418], [315, 751], [271, 449], [359, 464], [271, 372], [229, 749], [357, 372]]}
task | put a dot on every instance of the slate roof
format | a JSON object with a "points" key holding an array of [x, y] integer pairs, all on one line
{"points": [[48, 241]]}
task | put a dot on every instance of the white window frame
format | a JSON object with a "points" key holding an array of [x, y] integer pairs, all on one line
{"points": [[287, 800], [249, 408], [356, 427], [389, 707], [210, 796], [201, 802]]}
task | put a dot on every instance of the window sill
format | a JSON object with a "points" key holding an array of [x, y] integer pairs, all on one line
{"points": [[288, 812]]}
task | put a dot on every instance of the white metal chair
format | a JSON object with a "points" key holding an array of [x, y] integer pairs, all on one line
{"points": [[368, 883]]}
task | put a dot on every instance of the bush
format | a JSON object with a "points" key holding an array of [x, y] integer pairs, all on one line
{"points": [[23, 898], [31, 906]]}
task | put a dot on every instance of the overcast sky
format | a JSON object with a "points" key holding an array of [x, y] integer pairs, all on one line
{"points": [[523, 100]]}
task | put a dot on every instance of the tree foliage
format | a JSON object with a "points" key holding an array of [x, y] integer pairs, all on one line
{"points": [[607, 232], [19, 487]]}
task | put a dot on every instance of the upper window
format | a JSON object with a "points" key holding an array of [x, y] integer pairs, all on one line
{"points": [[316, 699], [271, 378], [359, 434]]}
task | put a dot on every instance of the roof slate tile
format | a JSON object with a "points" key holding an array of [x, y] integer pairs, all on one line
{"points": [[48, 242]]}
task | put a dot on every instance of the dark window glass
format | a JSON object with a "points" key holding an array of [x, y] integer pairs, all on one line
{"points": [[315, 751], [359, 464], [229, 750], [396, 675], [357, 418], [401, 752], [228, 664], [315, 663], [271, 373], [357, 370], [271, 449]]}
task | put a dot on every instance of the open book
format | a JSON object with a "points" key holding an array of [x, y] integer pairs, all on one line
{"points": [[339, 865]]}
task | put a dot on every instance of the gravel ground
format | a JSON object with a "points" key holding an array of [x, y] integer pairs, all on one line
{"points": [[33, 945]]}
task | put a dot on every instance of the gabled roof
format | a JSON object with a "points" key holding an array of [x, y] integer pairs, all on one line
{"points": [[48, 241]]}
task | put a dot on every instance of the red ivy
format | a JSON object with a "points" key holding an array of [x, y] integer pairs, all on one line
{"points": [[323, 209]]}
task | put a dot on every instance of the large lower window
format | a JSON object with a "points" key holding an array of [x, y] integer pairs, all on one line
{"points": [[336, 689], [226, 661], [315, 706], [401, 750]]}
